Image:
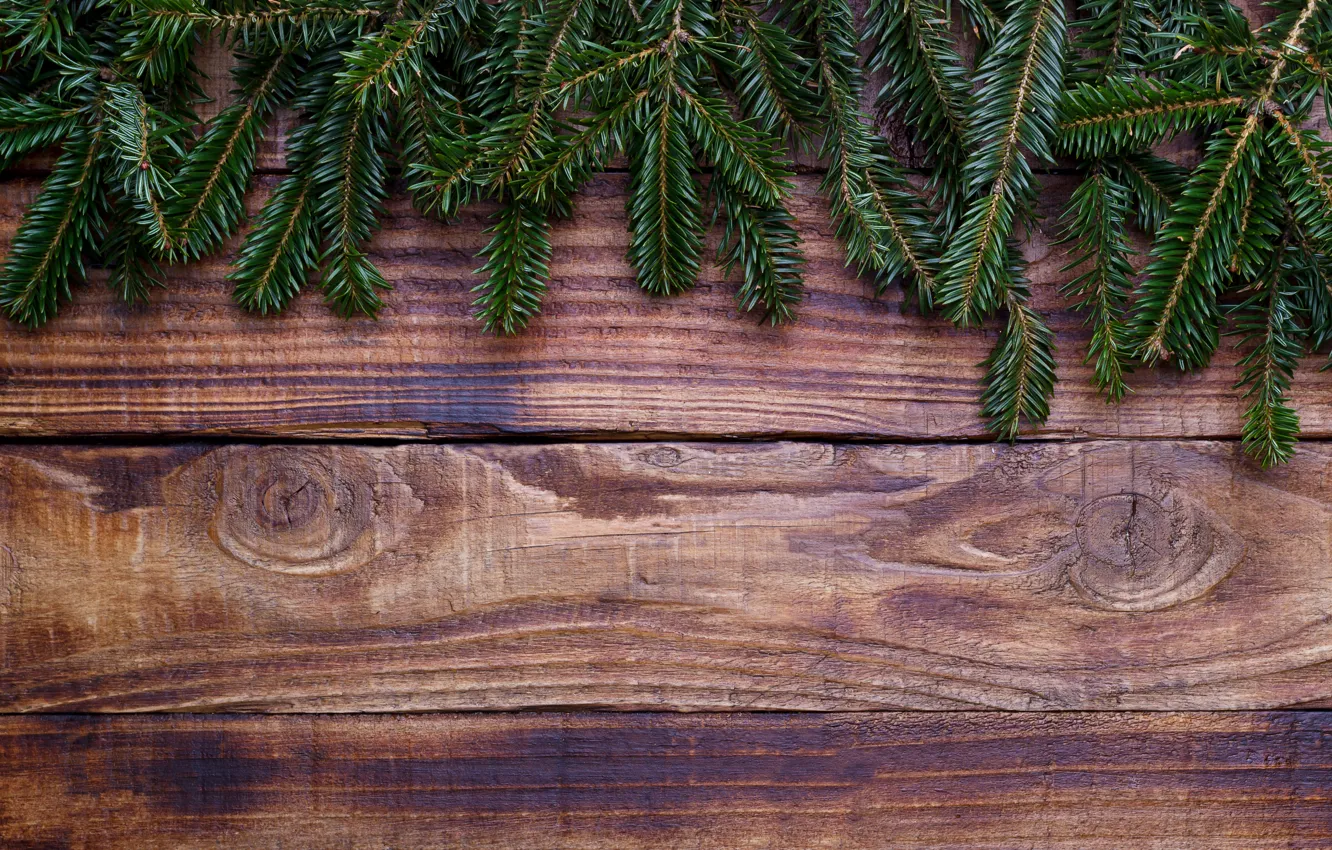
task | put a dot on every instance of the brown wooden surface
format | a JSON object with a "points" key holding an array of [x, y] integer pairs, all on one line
{"points": [[622, 782], [809, 576], [603, 358], [1106, 575]]}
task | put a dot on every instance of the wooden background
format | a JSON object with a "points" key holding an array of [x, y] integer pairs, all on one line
{"points": [[324, 565]]}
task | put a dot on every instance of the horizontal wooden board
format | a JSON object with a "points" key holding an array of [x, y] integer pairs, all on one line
{"points": [[333, 577], [632, 781], [603, 359]]}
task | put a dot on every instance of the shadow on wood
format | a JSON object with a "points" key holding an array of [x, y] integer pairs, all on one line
{"points": [[984, 781]]}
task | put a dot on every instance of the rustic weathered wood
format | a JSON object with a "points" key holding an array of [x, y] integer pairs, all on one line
{"points": [[1103, 575], [631, 782], [602, 359]]}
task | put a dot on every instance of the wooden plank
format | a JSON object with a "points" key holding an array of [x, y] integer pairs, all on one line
{"points": [[299, 578], [631, 782], [603, 359]]}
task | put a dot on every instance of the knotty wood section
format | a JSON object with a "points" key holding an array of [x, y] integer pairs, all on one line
{"points": [[632, 781], [297, 578], [603, 359]]}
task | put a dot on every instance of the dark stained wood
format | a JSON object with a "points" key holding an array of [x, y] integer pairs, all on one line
{"points": [[604, 359], [1106, 575], [631, 782]]}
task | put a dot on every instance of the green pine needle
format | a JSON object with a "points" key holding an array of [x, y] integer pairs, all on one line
{"points": [[1020, 371], [928, 87], [1129, 115], [28, 124], [1176, 312]]}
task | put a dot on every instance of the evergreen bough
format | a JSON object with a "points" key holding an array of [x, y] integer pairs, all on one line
{"points": [[1241, 244], [520, 103]]}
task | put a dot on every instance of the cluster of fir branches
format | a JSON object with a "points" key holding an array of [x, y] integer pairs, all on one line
{"points": [[73, 76], [1241, 244], [521, 102], [517, 102]]}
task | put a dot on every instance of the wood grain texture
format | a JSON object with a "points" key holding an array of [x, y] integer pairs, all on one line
{"points": [[297, 578], [632, 782], [603, 359]]}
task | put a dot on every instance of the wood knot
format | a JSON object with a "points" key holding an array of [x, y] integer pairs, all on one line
{"points": [[665, 457], [1140, 554], [297, 511]]}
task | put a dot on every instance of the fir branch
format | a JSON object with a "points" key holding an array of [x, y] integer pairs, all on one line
{"points": [[281, 248], [1266, 321], [771, 74], [141, 137], [1153, 183], [927, 86], [132, 267], [1261, 221], [28, 124], [1177, 309], [569, 166], [1219, 50], [1097, 218], [211, 184], [883, 225], [443, 176], [750, 164], [1020, 372], [912, 241], [514, 141], [438, 147], [279, 252], [35, 27], [663, 205], [1304, 162], [1131, 115], [1113, 39], [763, 242], [165, 24], [606, 71], [347, 183], [391, 61], [517, 265], [1013, 110], [47, 251]]}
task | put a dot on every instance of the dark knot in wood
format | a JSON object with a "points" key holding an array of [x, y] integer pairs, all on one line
{"points": [[297, 511], [1140, 554]]}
